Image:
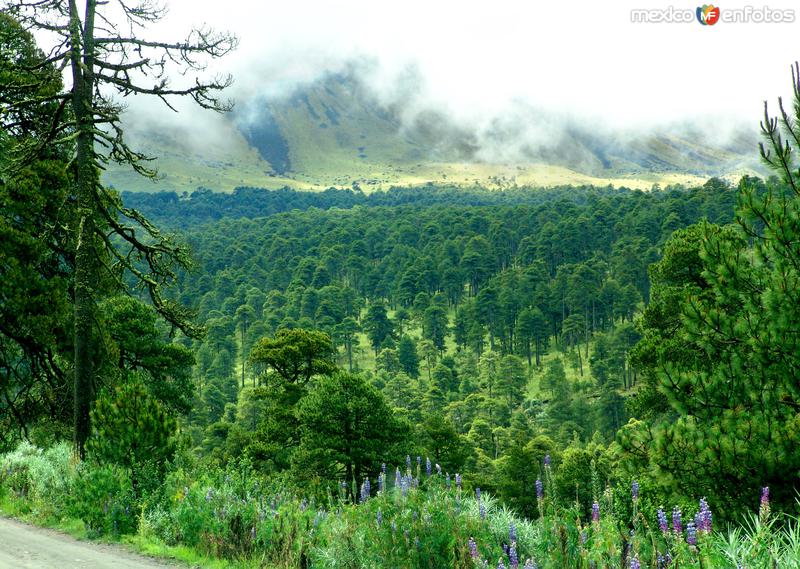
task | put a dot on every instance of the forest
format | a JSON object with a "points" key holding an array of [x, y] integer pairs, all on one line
{"points": [[434, 376]]}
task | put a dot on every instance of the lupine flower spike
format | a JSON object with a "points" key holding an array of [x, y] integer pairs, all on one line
{"points": [[513, 560], [595, 512], [691, 534], [763, 510], [473, 548], [676, 521], [663, 524]]}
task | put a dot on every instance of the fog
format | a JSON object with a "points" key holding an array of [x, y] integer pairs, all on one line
{"points": [[502, 63]]}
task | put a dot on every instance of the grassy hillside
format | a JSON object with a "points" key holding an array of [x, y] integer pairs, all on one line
{"points": [[335, 133]]}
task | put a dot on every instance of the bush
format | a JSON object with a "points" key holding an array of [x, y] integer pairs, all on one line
{"points": [[44, 477], [104, 500]]}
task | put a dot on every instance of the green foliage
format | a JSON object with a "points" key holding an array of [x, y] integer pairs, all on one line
{"points": [[105, 500], [131, 430], [347, 430], [295, 355], [42, 476]]}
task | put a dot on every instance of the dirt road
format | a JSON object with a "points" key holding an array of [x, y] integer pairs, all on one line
{"points": [[26, 547]]}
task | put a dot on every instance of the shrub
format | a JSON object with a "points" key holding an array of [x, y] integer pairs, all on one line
{"points": [[104, 500]]}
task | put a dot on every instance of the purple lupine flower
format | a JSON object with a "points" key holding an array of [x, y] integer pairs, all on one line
{"points": [[365, 490], [547, 460], [397, 478], [668, 558], [381, 478], [705, 516], [513, 560], [379, 517], [595, 512], [635, 563], [660, 563], [408, 461], [383, 468], [478, 493], [419, 462], [539, 489], [473, 548], [691, 534], [458, 481], [512, 533], [662, 521], [404, 486], [427, 466], [635, 491], [676, 520], [500, 564], [505, 549], [763, 510], [482, 510]]}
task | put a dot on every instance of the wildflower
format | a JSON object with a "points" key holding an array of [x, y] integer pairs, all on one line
{"points": [[676, 521], [447, 480], [419, 462], [546, 460], [482, 510], [595, 512], [660, 561], [529, 564], [381, 478], [635, 492], [478, 493], [427, 466], [691, 534], [662, 521], [584, 537], [539, 489], [408, 462], [500, 564], [512, 533], [704, 516], [365, 490], [635, 563], [383, 468], [397, 478], [458, 481], [763, 510], [513, 560], [473, 548]]}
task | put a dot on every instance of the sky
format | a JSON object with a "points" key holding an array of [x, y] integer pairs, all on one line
{"points": [[584, 60]]}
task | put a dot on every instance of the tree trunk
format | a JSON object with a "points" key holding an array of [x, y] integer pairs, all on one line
{"points": [[86, 180]]}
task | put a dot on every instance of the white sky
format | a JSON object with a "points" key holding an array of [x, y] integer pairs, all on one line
{"points": [[583, 58]]}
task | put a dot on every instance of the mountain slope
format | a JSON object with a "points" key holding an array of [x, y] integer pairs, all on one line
{"points": [[336, 132]]}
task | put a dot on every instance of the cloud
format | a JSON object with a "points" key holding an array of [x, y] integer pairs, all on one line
{"points": [[490, 65]]}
